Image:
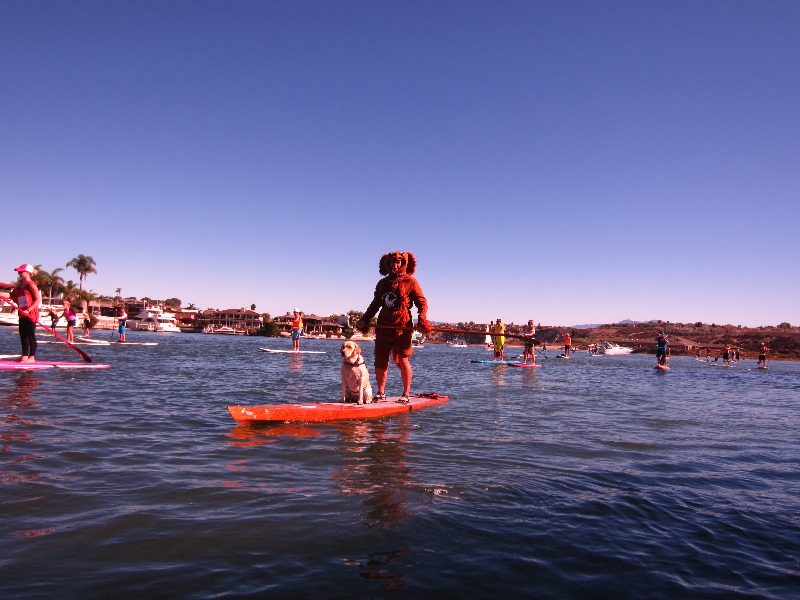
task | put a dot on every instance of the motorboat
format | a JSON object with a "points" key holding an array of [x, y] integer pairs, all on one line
{"points": [[8, 315], [613, 348], [224, 330], [360, 337], [417, 340], [457, 343], [153, 318]]}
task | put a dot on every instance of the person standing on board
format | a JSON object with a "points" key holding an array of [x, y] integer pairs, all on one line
{"points": [[297, 329], [26, 295], [662, 342], [762, 356], [567, 345], [71, 318], [528, 353], [394, 296], [726, 356], [122, 318], [499, 341], [87, 323]]}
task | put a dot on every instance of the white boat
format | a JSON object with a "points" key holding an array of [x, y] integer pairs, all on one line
{"points": [[9, 316], [457, 343], [360, 337], [613, 348], [223, 329], [153, 318]]}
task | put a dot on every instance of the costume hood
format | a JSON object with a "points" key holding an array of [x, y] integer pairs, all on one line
{"points": [[409, 263]]}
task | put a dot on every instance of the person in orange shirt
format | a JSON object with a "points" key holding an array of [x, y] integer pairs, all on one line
{"points": [[567, 345], [28, 299], [297, 329]]}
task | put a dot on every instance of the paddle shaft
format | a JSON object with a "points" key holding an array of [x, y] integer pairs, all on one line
{"points": [[83, 354], [448, 330]]}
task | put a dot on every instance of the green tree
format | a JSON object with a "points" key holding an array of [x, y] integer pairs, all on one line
{"points": [[353, 316], [54, 283], [49, 283], [84, 265]]}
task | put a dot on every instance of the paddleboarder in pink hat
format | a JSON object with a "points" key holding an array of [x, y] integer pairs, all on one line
{"points": [[26, 295]]}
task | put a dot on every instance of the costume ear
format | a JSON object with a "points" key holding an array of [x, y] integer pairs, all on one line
{"points": [[384, 265], [411, 263]]}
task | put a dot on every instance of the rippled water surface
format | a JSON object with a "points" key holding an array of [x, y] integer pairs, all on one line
{"points": [[586, 478]]}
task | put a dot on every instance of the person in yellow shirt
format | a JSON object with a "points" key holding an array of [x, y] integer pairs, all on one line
{"points": [[499, 340]]}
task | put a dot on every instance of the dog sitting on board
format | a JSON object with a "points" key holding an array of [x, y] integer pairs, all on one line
{"points": [[355, 377]]}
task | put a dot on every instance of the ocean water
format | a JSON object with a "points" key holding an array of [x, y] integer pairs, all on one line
{"points": [[585, 478]]}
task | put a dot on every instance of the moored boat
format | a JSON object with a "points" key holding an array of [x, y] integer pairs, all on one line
{"points": [[613, 348], [153, 318]]}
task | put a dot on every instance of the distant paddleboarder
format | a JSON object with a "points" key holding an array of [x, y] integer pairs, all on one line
{"points": [[499, 340], [528, 354], [762, 356], [567, 345], [122, 318], [297, 329], [662, 345]]}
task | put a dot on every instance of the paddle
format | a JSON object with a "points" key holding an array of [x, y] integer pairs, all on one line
{"points": [[448, 330], [83, 354], [543, 354]]}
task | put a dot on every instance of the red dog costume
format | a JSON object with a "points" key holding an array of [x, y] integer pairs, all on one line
{"points": [[394, 296]]}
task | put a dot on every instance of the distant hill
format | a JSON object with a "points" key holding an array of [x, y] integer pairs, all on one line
{"points": [[623, 322]]}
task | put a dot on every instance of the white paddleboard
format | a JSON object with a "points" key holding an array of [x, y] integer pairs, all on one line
{"points": [[292, 351]]}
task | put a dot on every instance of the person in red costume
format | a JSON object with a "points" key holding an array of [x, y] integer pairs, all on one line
{"points": [[394, 296], [28, 298]]}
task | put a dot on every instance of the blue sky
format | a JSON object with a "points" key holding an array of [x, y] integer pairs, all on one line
{"points": [[567, 162]]}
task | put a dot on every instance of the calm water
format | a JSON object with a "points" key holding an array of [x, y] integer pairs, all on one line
{"points": [[588, 478]]}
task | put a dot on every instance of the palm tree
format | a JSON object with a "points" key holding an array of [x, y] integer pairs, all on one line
{"points": [[54, 284], [40, 276], [84, 265]]}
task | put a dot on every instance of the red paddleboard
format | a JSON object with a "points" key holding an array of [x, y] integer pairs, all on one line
{"points": [[520, 365], [331, 411], [662, 368], [40, 364]]}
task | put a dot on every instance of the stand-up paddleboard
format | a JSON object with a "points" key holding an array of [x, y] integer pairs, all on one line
{"points": [[331, 411], [82, 343], [762, 368], [521, 365], [133, 343], [90, 340], [562, 356], [9, 356], [662, 367], [41, 364], [497, 362], [292, 351]]}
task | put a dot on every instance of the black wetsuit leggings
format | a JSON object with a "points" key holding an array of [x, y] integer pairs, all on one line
{"points": [[27, 335]]}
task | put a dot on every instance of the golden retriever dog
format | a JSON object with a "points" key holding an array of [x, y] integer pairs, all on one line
{"points": [[355, 377]]}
